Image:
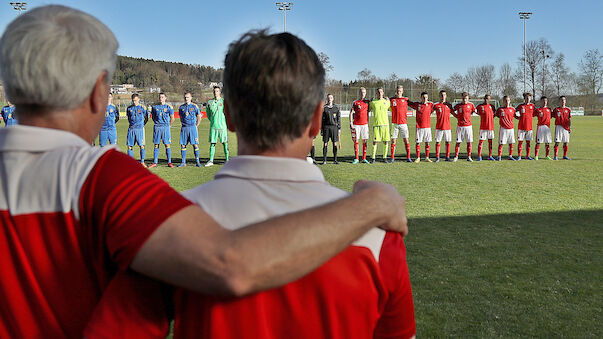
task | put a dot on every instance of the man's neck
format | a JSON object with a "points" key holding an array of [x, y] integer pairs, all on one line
{"points": [[61, 120], [297, 149]]}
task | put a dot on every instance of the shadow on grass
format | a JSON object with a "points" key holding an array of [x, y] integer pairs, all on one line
{"points": [[508, 275]]}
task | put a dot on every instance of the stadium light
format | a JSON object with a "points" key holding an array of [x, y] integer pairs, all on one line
{"points": [[284, 6], [524, 16], [19, 6]]}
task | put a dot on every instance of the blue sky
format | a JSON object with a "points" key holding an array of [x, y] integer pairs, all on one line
{"points": [[386, 36]]}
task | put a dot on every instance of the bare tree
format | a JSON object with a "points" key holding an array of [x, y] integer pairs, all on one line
{"points": [[559, 73], [456, 82], [472, 80], [326, 62], [485, 78], [506, 81], [536, 50], [426, 82], [591, 71], [366, 75]]}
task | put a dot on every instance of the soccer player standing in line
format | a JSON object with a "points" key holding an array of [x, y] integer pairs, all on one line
{"points": [[379, 107], [217, 125], [331, 127], [506, 134], [137, 118], [8, 114], [108, 131], [399, 107], [423, 132], [525, 115], [163, 117], [563, 123], [486, 128], [443, 110], [543, 131], [190, 116], [464, 129], [359, 124]]}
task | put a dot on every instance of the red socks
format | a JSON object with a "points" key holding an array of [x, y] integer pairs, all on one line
{"points": [[556, 148], [407, 146], [437, 150], [527, 148], [468, 150], [447, 150], [565, 150], [480, 145], [510, 150], [536, 149], [548, 148], [456, 149], [393, 148], [418, 150], [364, 150], [356, 149], [489, 147], [519, 145], [500, 147], [426, 151]]}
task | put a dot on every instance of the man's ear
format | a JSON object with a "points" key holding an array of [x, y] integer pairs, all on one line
{"points": [[316, 122], [229, 124], [100, 94]]}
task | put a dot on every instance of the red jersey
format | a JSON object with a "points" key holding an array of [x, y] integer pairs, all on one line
{"points": [[463, 113], [505, 116], [423, 113], [526, 115], [486, 112], [443, 111], [65, 234], [399, 110], [544, 116], [360, 108], [562, 117]]}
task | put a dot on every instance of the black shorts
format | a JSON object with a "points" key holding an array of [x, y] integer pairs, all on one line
{"points": [[330, 132]]}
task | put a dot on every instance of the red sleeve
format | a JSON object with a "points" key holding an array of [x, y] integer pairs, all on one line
{"points": [[125, 203], [398, 318], [413, 104], [132, 306]]}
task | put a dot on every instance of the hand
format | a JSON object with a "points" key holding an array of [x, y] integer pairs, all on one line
{"points": [[386, 201]]}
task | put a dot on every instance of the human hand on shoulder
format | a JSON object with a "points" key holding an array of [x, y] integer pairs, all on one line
{"points": [[385, 201]]}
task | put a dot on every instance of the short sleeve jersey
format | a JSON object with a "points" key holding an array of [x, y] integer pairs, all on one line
{"points": [[136, 115], [443, 111], [110, 114], [505, 116], [360, 108], [424, 111], [188, 114], [162, 114], [8, 115], [399, 110], [526, 116], [463, 113], [215, 113], [486, 112], [379, 107], [544, 116], [562, 117]]}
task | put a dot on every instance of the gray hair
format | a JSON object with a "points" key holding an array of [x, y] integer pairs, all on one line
{"points": [[52, 56]]}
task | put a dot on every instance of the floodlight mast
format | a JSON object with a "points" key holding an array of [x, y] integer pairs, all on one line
{"points": [[524, 16], [284, 6], [19, 6]]}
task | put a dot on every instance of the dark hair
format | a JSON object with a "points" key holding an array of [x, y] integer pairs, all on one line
{"points": [[527, 94], [543, 97], [563, 96], [506, 96], [487, 95], [162, 93], [424, 93], [443, 91], [217, 87], [464, 94], [135, 95], [272, 84]]}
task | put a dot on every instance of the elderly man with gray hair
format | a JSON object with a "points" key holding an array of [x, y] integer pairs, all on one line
{"points": [[73, 215]]}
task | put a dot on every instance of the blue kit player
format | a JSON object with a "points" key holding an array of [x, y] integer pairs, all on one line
{"points": [[108, 131], [137, 118], [190, 116], [163, 117], [8, 114]]}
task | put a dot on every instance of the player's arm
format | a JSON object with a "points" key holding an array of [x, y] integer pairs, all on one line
{"points": [[146, 115], [116, 114], [198, 113], [352, 114], [191, 250]]}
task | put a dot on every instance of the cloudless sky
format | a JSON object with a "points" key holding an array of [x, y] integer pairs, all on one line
{"points": [[386, 36]]}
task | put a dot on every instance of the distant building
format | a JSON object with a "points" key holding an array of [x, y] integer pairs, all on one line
{"points": [[122, 89], [154, 89]]}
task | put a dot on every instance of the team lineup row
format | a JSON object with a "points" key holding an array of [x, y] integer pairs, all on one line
{"points": [[163, 117], [398, 106]]}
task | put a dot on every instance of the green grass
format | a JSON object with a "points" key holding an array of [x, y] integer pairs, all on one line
{"points": [[496, 249]]}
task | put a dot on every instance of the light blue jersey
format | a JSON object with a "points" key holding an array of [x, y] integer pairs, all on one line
{"points": [[111, 114], [188, 114], [136, 116], [8, 115], [162, 114]]}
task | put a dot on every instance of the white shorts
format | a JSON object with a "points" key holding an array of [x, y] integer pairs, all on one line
{"points": [[464, 134], [402, 129], [543, 135], [506, 136], [445, 134], [525, 135], [362, 132], [486, 134], [561, 134], [423, 135]]}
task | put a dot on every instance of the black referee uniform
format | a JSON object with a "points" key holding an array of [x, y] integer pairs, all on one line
{"points": [[331, 124]]}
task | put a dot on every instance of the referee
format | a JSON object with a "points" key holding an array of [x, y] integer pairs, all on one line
{"points": [[331, 128]]}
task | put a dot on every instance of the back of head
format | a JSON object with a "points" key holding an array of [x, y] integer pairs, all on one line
{"points": [[51, 57], [272, 84]]}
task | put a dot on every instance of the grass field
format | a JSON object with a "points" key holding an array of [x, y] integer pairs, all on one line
{"points": [[496, 249]]}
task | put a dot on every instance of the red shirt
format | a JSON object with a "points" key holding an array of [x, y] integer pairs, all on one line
{"points": [[423, 113], [443, 111], [360, 108], [67, 233], [544, 116], [463, 113], [399, 110], [562, 117], [526, 115], [505, 115], [486, 112]]}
